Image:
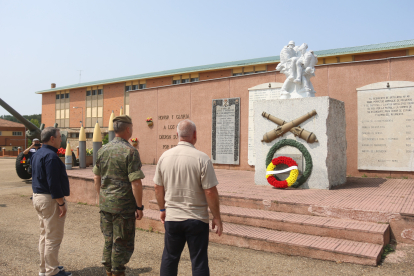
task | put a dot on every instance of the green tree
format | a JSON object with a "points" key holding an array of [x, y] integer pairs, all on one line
{"points": [[35, 122], [105, 140]]}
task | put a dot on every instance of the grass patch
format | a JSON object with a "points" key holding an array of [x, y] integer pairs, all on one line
{"points": [[82, 203], [150, 230], [22, 195], [405, 177], [364, 175], [387, 250]]}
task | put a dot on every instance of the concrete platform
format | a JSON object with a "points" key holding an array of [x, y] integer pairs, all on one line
{"points": [[363, 214]]}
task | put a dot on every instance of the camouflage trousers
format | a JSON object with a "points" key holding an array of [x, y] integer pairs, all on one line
{"points": [[119, 234]]}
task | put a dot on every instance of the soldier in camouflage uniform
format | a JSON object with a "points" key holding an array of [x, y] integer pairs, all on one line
{"points": [[118, 181]]}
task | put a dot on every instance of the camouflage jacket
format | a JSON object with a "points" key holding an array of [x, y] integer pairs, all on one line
{"points": [[118, 164]]}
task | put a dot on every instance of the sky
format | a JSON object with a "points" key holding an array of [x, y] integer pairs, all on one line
{"points": [[44, 42]]}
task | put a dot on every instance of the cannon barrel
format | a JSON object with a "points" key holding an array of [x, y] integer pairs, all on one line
{"points": [[33, 131], [292, 126]]}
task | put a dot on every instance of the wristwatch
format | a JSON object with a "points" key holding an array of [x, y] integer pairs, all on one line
{"points": [[140, 208]]}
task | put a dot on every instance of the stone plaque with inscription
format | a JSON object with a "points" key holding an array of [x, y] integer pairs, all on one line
{"points": [[265, 91], [386, 126], [225, 146]]}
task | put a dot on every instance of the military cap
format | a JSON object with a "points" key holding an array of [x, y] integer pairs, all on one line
{"points": [[123, 118]]}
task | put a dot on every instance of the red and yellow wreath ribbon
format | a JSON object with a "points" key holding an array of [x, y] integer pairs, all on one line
{"points": [[293, 176]]}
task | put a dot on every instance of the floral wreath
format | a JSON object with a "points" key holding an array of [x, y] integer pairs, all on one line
{"points": [[302, 149], [271, 174]]}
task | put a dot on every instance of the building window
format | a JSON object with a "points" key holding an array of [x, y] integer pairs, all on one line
{"points": [[94, 106], [186, 78], [143, 86], [74, 135], [62, 108], [15, 148], [249, 70], [89, 135], [17, 133], [135, 87], [127, 88], [0, 133]]}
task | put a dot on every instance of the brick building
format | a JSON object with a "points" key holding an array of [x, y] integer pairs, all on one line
{"points": [[189, 92], [12, 136]]}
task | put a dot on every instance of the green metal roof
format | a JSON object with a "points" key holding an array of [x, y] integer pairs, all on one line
{"points": [[246, 62]]}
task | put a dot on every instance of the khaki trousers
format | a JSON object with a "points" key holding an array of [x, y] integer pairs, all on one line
{"points": [[51, 232]]}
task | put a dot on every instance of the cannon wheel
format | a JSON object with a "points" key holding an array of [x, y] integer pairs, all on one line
{"points": [[20, 170]]}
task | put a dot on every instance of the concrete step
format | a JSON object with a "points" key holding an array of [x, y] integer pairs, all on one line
{"points": [[312, 225], [298, 244], [289, 207]]}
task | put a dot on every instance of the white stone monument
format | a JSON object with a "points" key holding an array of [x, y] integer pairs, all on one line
{"points": [[299, 66], [328, 153]]}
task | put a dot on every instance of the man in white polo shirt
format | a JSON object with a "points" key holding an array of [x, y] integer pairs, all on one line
{"points": [[185, 185]]}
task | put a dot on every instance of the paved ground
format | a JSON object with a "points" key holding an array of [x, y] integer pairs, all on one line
{"points": [[386, 197], [81, 249]]}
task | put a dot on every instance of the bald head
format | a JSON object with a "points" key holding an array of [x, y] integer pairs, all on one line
{"points": [[186, 131]]}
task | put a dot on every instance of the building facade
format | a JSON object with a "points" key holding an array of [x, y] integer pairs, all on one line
{"points": [[12, 136], [170, 96]]}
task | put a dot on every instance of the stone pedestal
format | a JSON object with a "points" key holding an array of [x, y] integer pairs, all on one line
{"points": [[329, 126]]}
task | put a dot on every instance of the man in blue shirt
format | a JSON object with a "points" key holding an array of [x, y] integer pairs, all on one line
{"points": [[50, 185]]}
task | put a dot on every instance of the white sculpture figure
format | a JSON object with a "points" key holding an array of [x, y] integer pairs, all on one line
{"points": [[298, 66]]}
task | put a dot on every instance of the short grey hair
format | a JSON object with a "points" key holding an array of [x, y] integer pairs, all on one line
{"points": [[186, 128], [47, 133], [120, 127]]}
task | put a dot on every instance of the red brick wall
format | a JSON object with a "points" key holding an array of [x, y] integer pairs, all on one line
{"points": [[113, 100], [159, 82], [77, 98], [48, 109], [380, 55], [338, 81]]}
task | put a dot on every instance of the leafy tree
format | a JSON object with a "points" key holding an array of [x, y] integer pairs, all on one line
{"points": [[105, 140], [38, 117], [35, 122]]}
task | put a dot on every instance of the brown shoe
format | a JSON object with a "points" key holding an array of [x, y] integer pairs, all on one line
{"points": [[108, 273]]}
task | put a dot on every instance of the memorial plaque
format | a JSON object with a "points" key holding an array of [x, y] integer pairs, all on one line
{"points": [[259, 93], [386, 126], [226, 131]]}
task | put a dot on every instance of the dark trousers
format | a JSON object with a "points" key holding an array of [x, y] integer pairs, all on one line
{"points": [[177, 233]]}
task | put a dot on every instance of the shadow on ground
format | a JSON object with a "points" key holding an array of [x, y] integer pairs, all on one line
{"points": [[358, 182], [91, 271]]}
